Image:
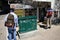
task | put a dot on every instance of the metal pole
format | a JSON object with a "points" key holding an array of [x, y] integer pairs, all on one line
{"points": [[37, 13], [23, 7], [58, 14]]}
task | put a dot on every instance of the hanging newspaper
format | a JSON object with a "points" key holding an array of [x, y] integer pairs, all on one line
{"points": [[57, 5]]}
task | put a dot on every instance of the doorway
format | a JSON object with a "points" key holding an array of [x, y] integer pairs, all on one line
{"points": [[43, 6]]}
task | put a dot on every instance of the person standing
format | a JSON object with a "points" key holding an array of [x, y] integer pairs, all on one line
{"points": [[49, 15], [11, 23]]}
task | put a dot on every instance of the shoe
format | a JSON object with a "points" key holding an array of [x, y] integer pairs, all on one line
{"points": [[46, 27], [49, 27]]}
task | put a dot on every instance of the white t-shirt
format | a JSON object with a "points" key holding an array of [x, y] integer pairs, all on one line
{"points": [[15, 18]]}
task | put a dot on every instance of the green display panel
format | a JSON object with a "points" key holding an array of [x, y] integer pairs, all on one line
{"points": [[28, 23]]}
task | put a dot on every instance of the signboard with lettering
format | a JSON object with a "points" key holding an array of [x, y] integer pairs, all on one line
{"points": [[16, 6], [20, 6], [19, 12]]}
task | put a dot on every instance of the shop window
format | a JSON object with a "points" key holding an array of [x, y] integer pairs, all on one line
{"points": [[30, 12]]}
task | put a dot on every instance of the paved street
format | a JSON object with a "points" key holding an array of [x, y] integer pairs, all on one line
{"points": [[3, 29], [40, 34]]}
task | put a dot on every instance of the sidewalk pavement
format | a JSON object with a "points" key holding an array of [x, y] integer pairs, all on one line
{"points": [[43, 34], [39, 34]]}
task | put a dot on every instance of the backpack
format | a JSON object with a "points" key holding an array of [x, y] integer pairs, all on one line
{"points": [[10, 21], [49, 14]]}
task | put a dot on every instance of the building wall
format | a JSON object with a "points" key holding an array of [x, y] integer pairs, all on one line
{"points": [[52, 2]]}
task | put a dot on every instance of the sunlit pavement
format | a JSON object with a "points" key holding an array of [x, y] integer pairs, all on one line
{"points": [[3, 29], [39, 34]]}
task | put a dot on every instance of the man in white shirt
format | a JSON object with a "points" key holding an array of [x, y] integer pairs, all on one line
{"points": [[10, 36]]}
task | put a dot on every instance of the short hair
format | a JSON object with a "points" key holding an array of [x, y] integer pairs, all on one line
{"points": [[11, 9], [49, 6]]}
